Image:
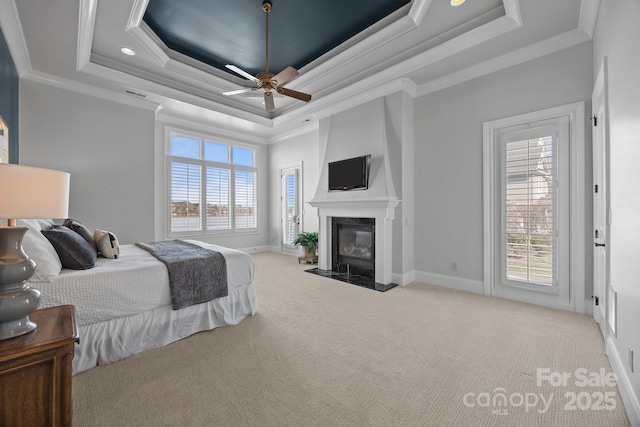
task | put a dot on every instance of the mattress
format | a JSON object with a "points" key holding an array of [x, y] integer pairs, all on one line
{"points": [[133, 283]]}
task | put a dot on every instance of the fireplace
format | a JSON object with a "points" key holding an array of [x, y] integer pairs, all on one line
{"points": [[353, 242], [380, 211]]}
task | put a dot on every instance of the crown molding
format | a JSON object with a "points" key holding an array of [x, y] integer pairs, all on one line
{"points": [[308, 127], [512, 10], [86, 25], [519, 56], [188, 123], [137, 14], [14, 36], [589, 16], [166, 87], [90, 90], [152, 44], [419, 10]]}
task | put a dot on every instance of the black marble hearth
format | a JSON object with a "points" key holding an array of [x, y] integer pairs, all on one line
{"points": [[354, 279]]}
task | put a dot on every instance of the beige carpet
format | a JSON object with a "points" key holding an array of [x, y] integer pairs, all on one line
{"points": [[324, 353]]}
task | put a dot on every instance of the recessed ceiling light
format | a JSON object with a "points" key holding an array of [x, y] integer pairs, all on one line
{"points": [[127, 51], [457, 2]]}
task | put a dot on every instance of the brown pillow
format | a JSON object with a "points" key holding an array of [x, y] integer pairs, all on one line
{"points": [[81, 230]]}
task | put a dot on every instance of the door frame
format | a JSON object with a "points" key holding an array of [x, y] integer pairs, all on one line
{"points": [[577, 203], [606, 295]]}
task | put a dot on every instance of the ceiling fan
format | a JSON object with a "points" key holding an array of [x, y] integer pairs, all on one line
{"points": [[266, 80]]}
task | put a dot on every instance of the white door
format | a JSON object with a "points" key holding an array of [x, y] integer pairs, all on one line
{"points": [[600, 203], [533, 215], [290, 209]]}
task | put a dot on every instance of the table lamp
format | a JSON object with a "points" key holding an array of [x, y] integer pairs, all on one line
{"points": [[26, 193]]}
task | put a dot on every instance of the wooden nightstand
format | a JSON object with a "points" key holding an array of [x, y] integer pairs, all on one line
{"points": [[35, 371]]}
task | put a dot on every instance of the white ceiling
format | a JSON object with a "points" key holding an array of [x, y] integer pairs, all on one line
{"points": [[424, 47]]}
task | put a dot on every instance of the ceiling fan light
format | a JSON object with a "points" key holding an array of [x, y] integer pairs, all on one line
{"points": [[457, 2]]}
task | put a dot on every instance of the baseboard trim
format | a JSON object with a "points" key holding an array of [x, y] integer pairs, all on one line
{"points": [[629, 398], [459, 283], [403, 279]]}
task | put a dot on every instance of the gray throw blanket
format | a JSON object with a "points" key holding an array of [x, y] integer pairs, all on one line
{"points": [[196, 274]]}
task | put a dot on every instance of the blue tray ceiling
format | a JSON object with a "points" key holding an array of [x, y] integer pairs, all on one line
{"points": [[219, 32]]}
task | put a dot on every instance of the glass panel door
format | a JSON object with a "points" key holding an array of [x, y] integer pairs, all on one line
{"points": [[290, 210]]}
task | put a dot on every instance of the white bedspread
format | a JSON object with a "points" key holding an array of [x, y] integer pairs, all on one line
{"points": [[134, 283]]}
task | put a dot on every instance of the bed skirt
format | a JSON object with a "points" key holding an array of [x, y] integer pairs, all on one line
{"points": [[112, 340]]}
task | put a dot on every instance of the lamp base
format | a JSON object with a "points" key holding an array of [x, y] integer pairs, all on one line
{"points": [[17, 299], [16, 328]]}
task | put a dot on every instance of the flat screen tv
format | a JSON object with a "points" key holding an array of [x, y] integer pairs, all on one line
{"points": [[349, 174]]}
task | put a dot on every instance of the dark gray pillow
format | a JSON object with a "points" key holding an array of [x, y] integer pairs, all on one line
{"points": [[81, 230], [74, 251]]}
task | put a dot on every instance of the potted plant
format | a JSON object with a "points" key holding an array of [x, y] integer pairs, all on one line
{"points": [[309, 241]]}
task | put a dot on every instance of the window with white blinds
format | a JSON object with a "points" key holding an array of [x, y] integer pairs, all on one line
{"points": [[529, 210], [185, 195], [245, 199], [218, 198], [213, 186]]}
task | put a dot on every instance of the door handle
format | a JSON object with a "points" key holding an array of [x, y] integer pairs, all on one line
{"points": [[599, 245]]}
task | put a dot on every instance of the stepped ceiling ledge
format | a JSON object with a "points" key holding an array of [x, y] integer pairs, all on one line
{"points": [[344, 55]]}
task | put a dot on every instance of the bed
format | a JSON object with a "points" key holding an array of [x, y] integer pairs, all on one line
{"points": [[123, 306]]}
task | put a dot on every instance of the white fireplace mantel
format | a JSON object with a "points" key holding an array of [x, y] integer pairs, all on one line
{"points": [[366, 203], [382, 209]]}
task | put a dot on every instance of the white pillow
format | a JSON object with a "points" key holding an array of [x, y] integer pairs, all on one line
{"points": [[39, 249], [106, 243]]}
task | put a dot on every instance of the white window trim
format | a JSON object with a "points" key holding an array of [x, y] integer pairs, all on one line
{"points": [[577, 184], [168, 130]]}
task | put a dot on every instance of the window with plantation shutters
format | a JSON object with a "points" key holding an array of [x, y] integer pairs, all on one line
{"points": [[529, 210], [245, 199], [534, 206], [213, 186], [185, 197], [218, 198]]}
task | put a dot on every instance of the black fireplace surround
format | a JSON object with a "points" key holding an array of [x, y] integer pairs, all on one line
{"points": [[353, 252], [353, 241]]}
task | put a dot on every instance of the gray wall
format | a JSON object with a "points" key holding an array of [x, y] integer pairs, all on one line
{"points": [[301, 148], [107, 148], [616, 38], [448, 152]]}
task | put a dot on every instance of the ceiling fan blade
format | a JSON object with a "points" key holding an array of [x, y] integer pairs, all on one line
{"points": [[295, 94], [268, 101], [239, 91], [242, 73], [285, 75]]}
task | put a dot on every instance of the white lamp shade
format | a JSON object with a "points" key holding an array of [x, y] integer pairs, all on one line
{"points": [[28, 192]]}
